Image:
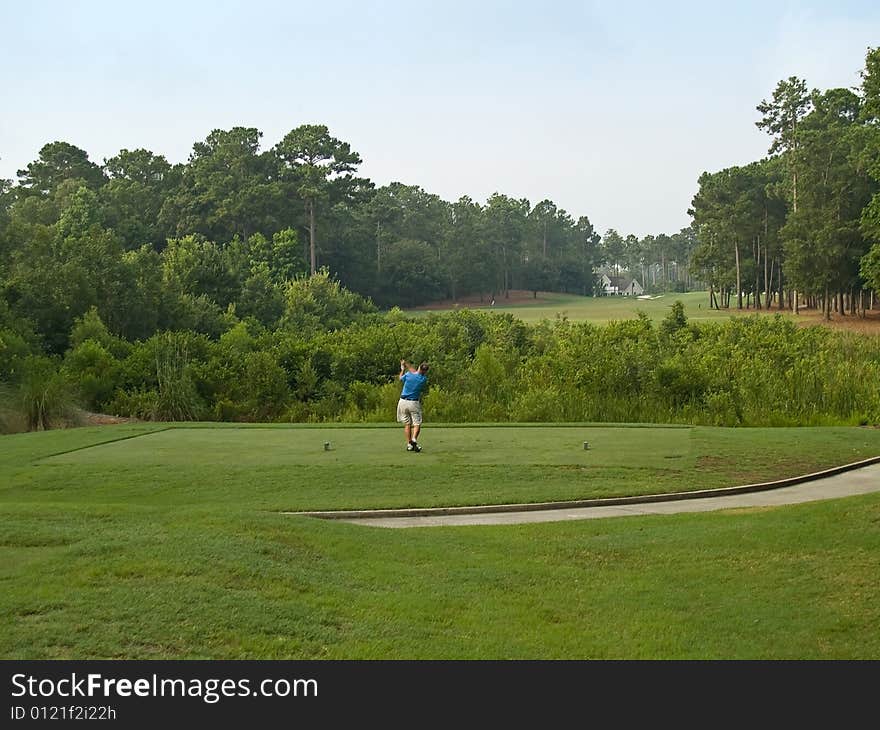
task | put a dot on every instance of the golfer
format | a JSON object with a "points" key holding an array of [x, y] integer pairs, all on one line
{"points": [[409, 407]]}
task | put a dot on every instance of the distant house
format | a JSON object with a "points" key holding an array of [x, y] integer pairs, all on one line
{"points": [[621, 286]]}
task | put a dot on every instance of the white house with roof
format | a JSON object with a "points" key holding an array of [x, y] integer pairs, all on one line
{"points": [[620, 286]]}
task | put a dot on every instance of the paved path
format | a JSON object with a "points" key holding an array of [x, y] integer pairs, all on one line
{"points": [[849, 480]]}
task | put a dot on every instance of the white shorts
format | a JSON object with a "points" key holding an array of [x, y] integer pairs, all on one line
{"points": [[409, 411]]}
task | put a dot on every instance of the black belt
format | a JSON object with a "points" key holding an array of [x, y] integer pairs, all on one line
{"points": [[402, 398]]}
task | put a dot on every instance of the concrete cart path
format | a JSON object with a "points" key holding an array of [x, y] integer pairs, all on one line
{"points": [[850, 480]]}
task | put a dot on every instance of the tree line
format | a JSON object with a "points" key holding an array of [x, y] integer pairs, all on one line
{"points": [[800, 227], [155, 246]]}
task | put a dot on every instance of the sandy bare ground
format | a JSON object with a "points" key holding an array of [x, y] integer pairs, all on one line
{"points": [[103, 419]]}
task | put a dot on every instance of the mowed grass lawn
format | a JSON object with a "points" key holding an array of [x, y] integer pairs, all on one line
{"points": [[601, 310], [143, 541]]}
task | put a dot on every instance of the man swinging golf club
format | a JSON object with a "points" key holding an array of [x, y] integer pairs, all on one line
{"points": [[409, 407]]}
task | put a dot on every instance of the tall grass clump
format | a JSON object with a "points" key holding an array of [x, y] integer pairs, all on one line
{"points": [[44, 398], [177, 398]]}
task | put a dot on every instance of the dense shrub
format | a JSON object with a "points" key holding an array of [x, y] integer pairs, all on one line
{"points": [[319, 303], [93, 372], [484, 367]]}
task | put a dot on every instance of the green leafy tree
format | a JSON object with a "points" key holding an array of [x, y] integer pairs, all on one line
{"points": [[402, 215], [146, 304], [823, 240], [261, 298], [781, 118], [730, 213], [133, 197], [870, 159], [412, 272], [710, 210], [505, 222], [613, 248], [57, 272], [59, 161], [311, 159], [90, 326], [319, 303], [93, 372], [464, 252], [281, 256], [585, 259], [869, 267], [634, 258], [228, 188], [407, 212], [192, 265], [545, 227]]}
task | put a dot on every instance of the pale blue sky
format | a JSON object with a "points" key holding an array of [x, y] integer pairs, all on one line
{"points": [[610, 109]]}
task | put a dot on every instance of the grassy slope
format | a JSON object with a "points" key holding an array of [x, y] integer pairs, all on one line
{"points": [[128, 560]]}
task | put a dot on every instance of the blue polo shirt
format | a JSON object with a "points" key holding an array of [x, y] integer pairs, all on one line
{"points": [[413, 384]]}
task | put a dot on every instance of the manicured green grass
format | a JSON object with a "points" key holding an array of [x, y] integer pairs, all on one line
{"points": [[449, 446], [601, 310], [286, 467], [168, 544]]}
